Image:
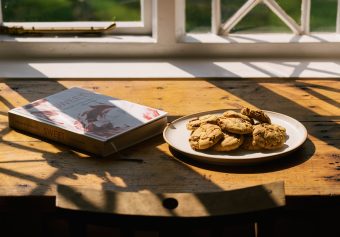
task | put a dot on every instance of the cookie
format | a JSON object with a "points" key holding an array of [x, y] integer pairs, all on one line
{"points": [[194, 124], [229, 142], [233, 114], [259, 115], [249, 143], [235, 125], [269, 136], [205, 136], [197, 122]]}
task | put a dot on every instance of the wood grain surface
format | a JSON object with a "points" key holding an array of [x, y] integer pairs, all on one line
{"points": [[30, 166]]}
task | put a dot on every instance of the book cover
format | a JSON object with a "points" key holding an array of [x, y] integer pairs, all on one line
{"points": [[75, 114]]}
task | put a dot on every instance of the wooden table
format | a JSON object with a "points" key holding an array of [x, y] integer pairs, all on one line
{"points": [[32, 167]]}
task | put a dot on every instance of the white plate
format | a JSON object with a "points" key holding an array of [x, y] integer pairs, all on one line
{"points": [[177, 136]]}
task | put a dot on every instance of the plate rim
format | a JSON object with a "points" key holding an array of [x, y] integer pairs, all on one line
{"points": [[228, 161]]}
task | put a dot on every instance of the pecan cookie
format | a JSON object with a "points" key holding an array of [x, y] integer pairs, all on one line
{"points": [[229, 142], [235, 125], [259, 115], [233, 114], [269, 136], [205, 136], [197, 122]]}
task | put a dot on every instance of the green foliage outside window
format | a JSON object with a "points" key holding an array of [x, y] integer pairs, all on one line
{"points": [[70, 10]]}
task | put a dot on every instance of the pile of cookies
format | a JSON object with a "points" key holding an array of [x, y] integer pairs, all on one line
{"points": [[250, 129]]}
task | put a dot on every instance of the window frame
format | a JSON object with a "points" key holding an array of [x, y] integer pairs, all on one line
{"points": [[169, 39], [1, 18]]}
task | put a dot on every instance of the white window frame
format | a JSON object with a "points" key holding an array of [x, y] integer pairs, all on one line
{"points": [[169, 39]]}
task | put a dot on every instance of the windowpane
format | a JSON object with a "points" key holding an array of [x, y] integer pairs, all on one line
{"points": [[323, 15], [198, 15], [261, 18], [70, 10], [292, 8]]}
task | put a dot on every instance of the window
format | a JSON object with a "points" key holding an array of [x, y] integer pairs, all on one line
{"points": [[132, 16], [198, 28], [263, 16]]}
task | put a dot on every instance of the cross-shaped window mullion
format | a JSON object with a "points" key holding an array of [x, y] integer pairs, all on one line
{"points": [[250, 5]]}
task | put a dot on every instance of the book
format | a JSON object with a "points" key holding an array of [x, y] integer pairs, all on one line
{"points": [[91, 122]]}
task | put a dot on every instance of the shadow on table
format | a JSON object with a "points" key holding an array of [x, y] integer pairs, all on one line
{"points": [[297, 157]]}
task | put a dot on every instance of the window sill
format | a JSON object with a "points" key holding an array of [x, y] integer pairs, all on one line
{"points": [[188, 38], [75, 39], [192, 45], [263, 38], [171, 68]]}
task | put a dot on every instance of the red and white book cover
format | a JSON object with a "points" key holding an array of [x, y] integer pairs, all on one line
{"points": [[88, 113]]}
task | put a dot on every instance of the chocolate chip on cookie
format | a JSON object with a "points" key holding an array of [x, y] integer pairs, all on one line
{"points": [[235, 125], [194, 124], [249, 143], [259, 115], [229, 142], [205, 136], [234, 114], [197, 122], [269, 136]]}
